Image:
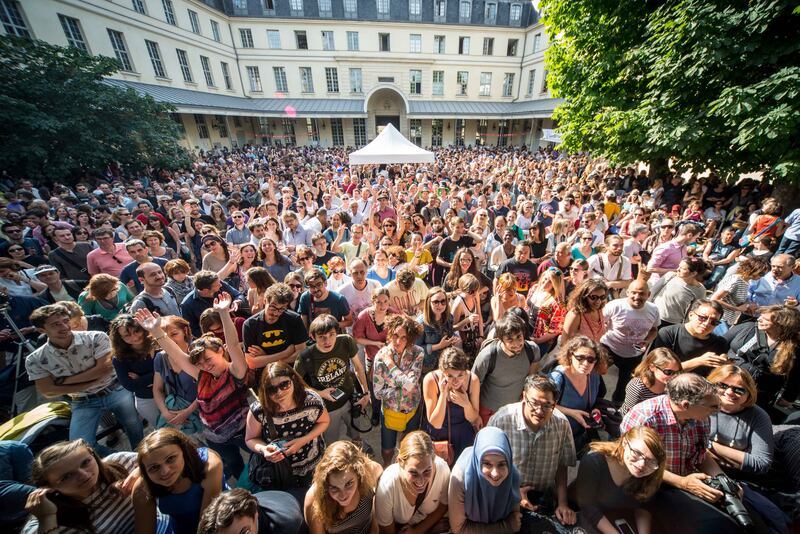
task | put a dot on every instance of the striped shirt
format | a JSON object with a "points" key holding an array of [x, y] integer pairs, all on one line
{"points": [[359, 521]]}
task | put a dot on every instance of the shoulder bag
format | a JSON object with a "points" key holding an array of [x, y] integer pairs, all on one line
{"points": [[268, 475]]}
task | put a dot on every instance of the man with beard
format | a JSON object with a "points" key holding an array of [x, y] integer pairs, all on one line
{"points": [[611, 266], [521, 267]]}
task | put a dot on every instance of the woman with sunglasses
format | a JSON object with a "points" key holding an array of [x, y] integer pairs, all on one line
{"points": [[651, 376], [583, 248], [767, 349], [222, 378], [438, 332], [295, 281], [617, 478], [215, 254], [305, 257], [585, 315], [547, 308], [579, 382], [298, 417]]}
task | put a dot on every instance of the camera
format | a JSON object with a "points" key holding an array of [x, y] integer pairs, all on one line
{"points": [[730, 498]]}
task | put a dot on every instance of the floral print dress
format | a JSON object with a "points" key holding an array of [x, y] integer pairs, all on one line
{"points": [[398, 389]]}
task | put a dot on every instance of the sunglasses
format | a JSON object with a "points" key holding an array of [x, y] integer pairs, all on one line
{"points": [[738, 391], [669, 372], [706, 319], [283, 386], [440, 301], [296, 286], [595, 298], [337, 271], [582, 358]]}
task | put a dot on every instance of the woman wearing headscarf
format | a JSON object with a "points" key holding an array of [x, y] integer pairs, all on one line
{"points": [[484, 487]]}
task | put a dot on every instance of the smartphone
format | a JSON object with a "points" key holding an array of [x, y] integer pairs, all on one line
{"points": [[624, 527], [280, 444], [337, 394]]}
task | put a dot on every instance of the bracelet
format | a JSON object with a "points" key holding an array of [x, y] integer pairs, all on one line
{"points": [[162, 336]]}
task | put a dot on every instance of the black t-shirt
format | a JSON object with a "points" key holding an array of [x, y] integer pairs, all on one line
{"points": [[322, 261], [525, 273], [288, 330], [449, 247], [676, 338], [329, 369]]}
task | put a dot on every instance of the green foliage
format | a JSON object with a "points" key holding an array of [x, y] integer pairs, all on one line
{"points": [[704, 83], [59, 120]]}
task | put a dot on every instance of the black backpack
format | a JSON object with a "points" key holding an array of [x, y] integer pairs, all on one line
{"points": [[495, 347]]}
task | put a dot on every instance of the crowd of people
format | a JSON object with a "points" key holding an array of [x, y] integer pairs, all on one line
{"points": [[543, 342]]}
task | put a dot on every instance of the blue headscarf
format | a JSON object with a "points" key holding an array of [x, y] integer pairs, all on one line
{"points": [[484, 503]]}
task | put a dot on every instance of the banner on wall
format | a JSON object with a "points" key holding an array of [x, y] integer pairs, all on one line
{"points": [[551, 136]]}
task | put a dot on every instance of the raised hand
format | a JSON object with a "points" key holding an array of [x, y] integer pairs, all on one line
{"points": [[148, 320], [223, 302]]}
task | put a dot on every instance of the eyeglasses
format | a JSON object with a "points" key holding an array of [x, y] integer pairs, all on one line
{"points": [[316, 286], [238, 217], [585, 358], [595, 298], [638, 456], [283, 386], [706, 319], [669, 372], [536, 406], [737, 390]]}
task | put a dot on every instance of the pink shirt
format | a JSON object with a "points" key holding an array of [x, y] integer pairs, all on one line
{"points": [[666, 256], [100, 261]]}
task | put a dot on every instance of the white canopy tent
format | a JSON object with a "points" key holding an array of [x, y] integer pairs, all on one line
{"points": [[391, 147]]}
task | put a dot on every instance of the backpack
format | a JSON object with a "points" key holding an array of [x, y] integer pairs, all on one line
{"points": [[495, 348]]}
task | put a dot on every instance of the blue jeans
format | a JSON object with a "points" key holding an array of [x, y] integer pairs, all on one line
{"points": [[789, 246], [389, 437], [230, 454], [86, 417]]}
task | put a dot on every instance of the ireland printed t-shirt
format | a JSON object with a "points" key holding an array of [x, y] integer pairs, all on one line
{"points": [[330, 369]]}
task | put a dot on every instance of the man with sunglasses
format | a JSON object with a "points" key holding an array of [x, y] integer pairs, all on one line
{"points": [[694, 341], [239, 234], [109, 257], [276, 333]]}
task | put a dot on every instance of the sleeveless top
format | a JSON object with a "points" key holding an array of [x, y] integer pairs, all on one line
{"points": [[359, 521], [223, 404], [183, 509], [590, 328]]}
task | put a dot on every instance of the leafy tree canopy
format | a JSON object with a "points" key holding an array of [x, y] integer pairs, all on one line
{"points": [[704, 83], [59, 120]]}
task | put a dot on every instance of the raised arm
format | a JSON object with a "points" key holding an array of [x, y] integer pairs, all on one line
{"points": [[238, 364], [152, 323]]}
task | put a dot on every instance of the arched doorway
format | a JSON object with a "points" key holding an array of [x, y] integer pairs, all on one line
{"points": [[386, 104]]}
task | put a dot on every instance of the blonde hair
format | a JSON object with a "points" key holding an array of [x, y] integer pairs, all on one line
{"points": [[506, 282], [643, 488], [657, 357], [722, 373], [340, 457], [416, 444]]}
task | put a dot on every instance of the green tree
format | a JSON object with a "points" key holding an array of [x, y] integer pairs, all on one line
{"points": [[704, 83], [58, 120]]}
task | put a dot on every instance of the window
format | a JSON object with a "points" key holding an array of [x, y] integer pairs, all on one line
{"points": [[531, 79], [511, 48], [490, 14], [155, 59], [415, 79], [120, 50], [383, 39], [460, 132], [439, 10], [306, 80], [502, 133], [72, 29], [13, 23], [169, 12], [438, 44], [274, 39], [215, 31], [325, 9], [312, 131], [544, 82], [247, 37], [179, 122], [360, 131], [296, 8], [537, 42], [183, 61], [280, 79], [226, 75], [288, 132], [436, 132], [267, 6], [240, 5], [327, 41], [138, 6], [465, 11], [462, 77], [255, 79], [415, 129], [350, 9], [264, 131], [352, 41], [515, 14], [332, 79], [222, 125], [508, 84], [415, 43], [301, 39], [337, 132], [480, 132], [202, 127], [415, 9], [194, 21], [438, 83], [355, 81], [486, 84], [463, 46], [383, 9], [488, 46], [206, 64]]}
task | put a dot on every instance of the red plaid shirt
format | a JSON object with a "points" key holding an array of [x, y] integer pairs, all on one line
{"points": [[685, 443]]}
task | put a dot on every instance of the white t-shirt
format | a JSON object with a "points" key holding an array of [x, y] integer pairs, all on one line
{"points": [[391, 505], [408, 302], [358, 300], [627, 327]]}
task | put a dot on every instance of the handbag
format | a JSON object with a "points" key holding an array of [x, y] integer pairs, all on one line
{"points": [[610, 415], [444, 449], [397, 421], [270, 475]]}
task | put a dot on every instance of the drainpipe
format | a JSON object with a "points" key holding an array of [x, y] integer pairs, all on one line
{"points": [[236, 55], [521, 71]]}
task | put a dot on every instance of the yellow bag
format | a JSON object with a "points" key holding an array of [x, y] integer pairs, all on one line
{"points": [[397, 420]]}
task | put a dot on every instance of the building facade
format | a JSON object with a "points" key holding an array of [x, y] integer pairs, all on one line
{"points": [[317, 72]]}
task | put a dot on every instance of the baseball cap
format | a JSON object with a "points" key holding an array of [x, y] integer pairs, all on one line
{"points": [[44, 269]]}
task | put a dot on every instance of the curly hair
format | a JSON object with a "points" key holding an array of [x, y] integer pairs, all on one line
{"points": [[122, 349], [577, 342], [579, 297], [412, 328], [339, 457]]}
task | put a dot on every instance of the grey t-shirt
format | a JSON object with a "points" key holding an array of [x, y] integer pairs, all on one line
{"points": [[165, 305], [504, 385]]}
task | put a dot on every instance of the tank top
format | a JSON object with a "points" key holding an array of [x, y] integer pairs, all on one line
{"points": [[359, 521], [183, 509]]}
